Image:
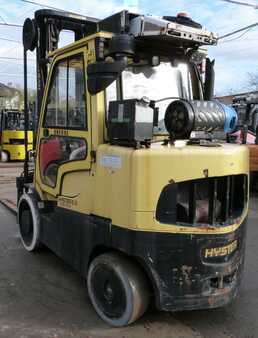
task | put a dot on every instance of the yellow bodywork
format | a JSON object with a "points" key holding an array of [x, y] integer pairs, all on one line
{"points": [[127, 190], [16, 151], [124, 184]]}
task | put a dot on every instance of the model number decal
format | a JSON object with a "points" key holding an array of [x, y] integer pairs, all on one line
{"points": [[221, 251], [67, 203], [114, 162]]}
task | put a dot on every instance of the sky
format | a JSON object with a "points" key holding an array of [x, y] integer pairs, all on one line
{"points": [[235, 56]]}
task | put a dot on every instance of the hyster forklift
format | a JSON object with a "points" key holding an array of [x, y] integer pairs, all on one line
{"points": [[121, 189], [12, 136]]}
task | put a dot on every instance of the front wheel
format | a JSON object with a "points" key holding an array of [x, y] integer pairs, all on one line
{"points": [[29, 222], [118, 289]]}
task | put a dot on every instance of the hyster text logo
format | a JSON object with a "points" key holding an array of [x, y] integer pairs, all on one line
{"points": [[222, 251]]}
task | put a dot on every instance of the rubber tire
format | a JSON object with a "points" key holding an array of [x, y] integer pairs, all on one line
{"points": [[134, 283], [5, 157], [30, 202]]}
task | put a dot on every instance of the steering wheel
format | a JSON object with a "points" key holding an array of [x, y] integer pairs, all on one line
{"points": [[78, 154]]}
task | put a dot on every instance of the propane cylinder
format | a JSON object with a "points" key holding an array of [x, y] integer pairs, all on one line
{"points": [[183, 116]]}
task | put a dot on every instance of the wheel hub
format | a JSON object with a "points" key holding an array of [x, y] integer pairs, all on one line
{"points": [[108, 292], [26, 226]]}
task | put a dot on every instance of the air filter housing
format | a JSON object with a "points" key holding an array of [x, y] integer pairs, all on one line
{"points": [[182, 117]]}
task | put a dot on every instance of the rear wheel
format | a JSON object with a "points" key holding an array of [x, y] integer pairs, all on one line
{"points": [[118, 289], [29, 222], [4, 156]]}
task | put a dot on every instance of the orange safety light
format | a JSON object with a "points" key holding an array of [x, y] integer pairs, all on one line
{"points": [[182, 15]]}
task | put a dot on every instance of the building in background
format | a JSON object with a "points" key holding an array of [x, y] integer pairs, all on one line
{"points": [[10, 98], [228, 99]]}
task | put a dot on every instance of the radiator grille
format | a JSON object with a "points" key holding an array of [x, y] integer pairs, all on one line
{"points": [[215, 201]]}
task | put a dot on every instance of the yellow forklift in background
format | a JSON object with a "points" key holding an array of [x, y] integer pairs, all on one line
{"points": [[121, 190], [12, 136]]}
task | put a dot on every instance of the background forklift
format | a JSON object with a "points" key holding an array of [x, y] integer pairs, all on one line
{"points": [[12, 136], [247, 130], [120, 189]]}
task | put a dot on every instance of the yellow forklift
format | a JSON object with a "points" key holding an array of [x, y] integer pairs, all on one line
{"points": [[12, 136], [122, 190]]}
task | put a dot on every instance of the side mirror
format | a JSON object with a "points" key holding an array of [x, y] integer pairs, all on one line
{"points": [[101, 74]]}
